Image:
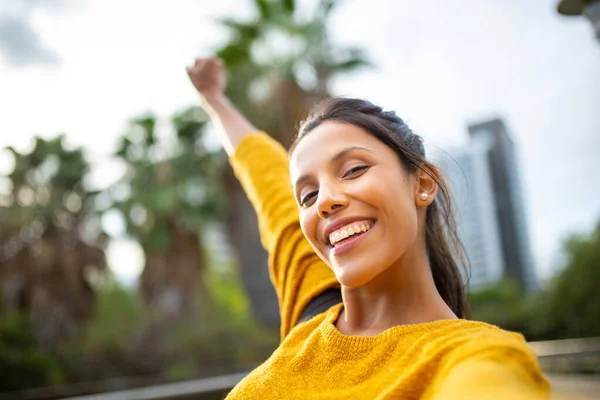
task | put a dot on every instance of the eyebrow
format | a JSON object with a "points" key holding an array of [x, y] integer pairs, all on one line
{"points": [[334, 159]]}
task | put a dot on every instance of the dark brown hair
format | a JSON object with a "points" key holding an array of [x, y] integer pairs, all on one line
{"points": [[443, 245]]}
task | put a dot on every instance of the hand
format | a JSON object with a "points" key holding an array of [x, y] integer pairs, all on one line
{"points": [[208, 77]]}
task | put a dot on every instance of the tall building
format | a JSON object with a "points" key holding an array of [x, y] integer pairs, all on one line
{"points": [[510, 204], [478, 228], [491, 219]]}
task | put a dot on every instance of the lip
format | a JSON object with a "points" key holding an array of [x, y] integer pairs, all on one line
{"points": [[349, 243], [341, 222]]}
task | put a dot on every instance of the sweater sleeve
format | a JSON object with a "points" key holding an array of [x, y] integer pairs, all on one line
{"points": [[298, 274], [493, 371]]}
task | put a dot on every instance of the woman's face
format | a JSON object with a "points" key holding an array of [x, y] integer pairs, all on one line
{"points": [[358, 205]]}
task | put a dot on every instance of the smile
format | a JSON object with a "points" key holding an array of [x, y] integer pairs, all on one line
{"points": [[347, 237], [348, 231]]}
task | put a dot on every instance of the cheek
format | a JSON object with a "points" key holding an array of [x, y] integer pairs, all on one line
{"points": [[404, 226], [398, 208], [402, 209], [388, 192], [308, 224]]}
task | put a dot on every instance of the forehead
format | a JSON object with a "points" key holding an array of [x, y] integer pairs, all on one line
{"points": [[327, 140]]}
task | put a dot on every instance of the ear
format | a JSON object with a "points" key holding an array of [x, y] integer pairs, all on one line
{"points": [[426, 188]]}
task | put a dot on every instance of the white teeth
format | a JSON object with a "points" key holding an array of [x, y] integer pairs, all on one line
{"points": [[348, 231]]}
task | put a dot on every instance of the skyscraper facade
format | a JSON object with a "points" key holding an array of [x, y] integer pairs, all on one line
{"points": [[468, 174], [491, 219]]}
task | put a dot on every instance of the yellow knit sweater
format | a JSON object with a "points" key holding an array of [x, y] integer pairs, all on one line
{"points": [[448, 359]]}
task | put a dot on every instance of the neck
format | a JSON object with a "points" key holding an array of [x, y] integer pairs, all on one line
{"points": [[403, 294]]}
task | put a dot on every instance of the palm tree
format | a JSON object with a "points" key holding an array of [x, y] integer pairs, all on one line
{"points": [[51, 252], [279, 64], [172, 196]]}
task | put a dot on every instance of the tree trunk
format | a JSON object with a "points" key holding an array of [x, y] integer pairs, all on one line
{"points": [[243, 233], [170, 278]]}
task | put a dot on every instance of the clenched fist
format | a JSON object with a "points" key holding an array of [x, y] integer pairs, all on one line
{"points": [[208, 77]]}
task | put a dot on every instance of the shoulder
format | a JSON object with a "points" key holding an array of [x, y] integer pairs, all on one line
{"points": [[469, 339], [455, 340], [475, 334], [481, 360]]}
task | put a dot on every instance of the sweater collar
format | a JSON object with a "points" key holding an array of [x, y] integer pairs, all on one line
{"points": [[332, 335]]}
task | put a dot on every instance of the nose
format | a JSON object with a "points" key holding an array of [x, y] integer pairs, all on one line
{"points": [[330, 201]]}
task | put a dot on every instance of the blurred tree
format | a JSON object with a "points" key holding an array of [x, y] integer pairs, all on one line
{"points": [[22, 362], [567, 308], [502, 304], [279, 64], [104, 351], [168, 194], [570, 307], [52, 246], [119, 342]]}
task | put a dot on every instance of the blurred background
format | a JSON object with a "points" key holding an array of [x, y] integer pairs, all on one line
{"points": [[130, 257]]}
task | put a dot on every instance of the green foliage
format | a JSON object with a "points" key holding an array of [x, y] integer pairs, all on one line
{"points": [[289, 6], [168, 184], [502, 304], [567, 308], [51, 211], [123, 339], [226, 318], [117, 318], [180, 371], [572, 303], [263, 8], [276, 45], [103, 350], [48, 182], [22, 363], [223, 284]]}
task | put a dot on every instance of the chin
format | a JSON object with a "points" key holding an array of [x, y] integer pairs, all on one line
{"points": [[360, 269], [352, 279]]}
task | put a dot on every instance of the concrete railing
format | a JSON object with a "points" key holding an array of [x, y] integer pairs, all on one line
{"points": [[553, 348], [205, 389]]}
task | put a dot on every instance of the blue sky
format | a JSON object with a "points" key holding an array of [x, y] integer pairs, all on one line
{"points": [[85, 67]]}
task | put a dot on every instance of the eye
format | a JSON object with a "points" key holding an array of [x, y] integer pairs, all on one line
{"points": [[304, 200], [355, 172]]}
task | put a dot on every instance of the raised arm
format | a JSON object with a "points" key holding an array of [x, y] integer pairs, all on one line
{"points": [[208, 77], [260, 163]]}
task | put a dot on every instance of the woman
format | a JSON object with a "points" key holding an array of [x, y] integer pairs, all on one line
{"points": [[365, 204]]}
